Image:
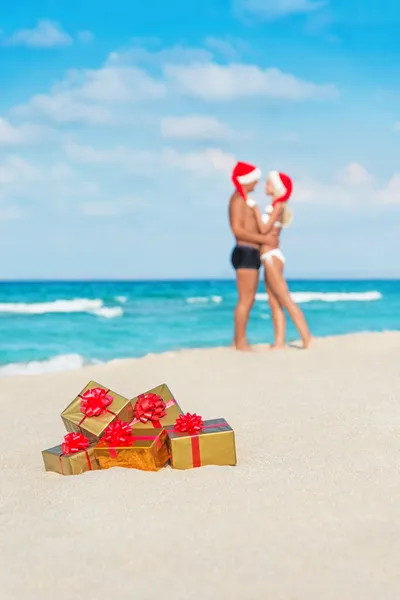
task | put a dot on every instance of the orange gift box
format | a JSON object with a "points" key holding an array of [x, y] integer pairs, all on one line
{"points": [[122, 446]]}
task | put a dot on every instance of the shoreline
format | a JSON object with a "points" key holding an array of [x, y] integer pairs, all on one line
{"points": [[258, 349]]}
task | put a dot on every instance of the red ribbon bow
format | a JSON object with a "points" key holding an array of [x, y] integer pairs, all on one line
{"points": [[189, 423], [150, 407], [119, 433], [74, 442], [94, 402]]}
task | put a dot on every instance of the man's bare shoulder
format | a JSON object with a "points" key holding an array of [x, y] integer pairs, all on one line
{"points": [[235, 199]]}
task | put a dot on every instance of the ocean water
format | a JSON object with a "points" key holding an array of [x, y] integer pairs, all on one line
{"points": [[52, 326]]}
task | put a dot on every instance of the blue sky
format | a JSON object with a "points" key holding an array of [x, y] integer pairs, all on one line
{"points": [[119, 125]]}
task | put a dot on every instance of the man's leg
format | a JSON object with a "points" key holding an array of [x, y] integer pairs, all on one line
{"points": [[247, 283], [278, 316]]}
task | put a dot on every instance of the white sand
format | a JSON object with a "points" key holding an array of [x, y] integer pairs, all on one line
{"points": [[312, 512]]}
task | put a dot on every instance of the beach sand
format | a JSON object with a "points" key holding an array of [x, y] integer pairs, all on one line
{"points": [[311, 512]]}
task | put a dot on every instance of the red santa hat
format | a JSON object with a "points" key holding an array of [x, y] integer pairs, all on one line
{"points": [[282, 184], [243, 174]]}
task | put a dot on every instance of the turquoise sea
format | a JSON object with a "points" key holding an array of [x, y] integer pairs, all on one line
{"points": [[51, 326]]}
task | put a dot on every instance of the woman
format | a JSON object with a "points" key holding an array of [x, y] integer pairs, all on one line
{"points": [[276, 216]]}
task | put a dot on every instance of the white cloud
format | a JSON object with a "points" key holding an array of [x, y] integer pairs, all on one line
{"points": [[16, 170], [391, 193], [211, 81], [139, 55], [55, 186], [355, 174], [105, 95], [141, 162], [87, 96], [355, 190], [206, 163], [46, 34], [26, 133], [64, 108], [118, 84], [335, 192], [10, 135], [195, 127], [274, 9]]}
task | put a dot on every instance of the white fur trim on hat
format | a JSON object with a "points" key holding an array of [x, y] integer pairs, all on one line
{"points": [[251, 177], [276, 181]]}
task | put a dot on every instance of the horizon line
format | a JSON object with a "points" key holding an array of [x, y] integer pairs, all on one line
{"points": [[190, 279]]}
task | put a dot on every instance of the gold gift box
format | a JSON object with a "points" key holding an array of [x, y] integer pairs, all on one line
{"points": [[214, 445], [69, 464], [149, 452], [93, 427], [172, 408]]}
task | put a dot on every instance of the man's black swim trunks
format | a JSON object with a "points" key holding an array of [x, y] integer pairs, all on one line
{"points": [[246, 257]]}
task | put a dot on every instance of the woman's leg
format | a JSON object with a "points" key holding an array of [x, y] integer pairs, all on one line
{"points": [[279, 287], [278, 316]]}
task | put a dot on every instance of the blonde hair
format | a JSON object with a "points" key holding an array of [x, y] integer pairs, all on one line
{"points": [[287, 216]]}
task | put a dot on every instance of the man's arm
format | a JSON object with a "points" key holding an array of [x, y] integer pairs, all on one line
{"points": [[274, 217], [237, 209]]}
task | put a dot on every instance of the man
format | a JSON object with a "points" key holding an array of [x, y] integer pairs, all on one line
{"points": [[246, 254]]}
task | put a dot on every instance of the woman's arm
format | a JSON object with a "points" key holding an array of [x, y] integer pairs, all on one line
{"points": [[265, 228], [237, 224]]}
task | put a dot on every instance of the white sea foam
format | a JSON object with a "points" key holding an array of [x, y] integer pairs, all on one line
{"points": [[78, 305], [63, 362], [121, 299], [204, 300], [109, 312], [305, 297]]}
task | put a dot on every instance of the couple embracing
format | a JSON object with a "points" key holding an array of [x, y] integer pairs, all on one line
{"points": [[257, 242]]}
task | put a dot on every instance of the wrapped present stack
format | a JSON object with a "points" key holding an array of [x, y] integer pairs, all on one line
{"points": [[148, 432]]}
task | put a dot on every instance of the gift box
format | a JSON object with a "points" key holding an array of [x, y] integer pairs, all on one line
{"points": [[156, 408], [73, 457], [123, 446], [195, 443], [94, 409]]}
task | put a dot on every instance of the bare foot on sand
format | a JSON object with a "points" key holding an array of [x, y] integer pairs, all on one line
{"points": [[307, 342], [242, 347], [277, 347]]}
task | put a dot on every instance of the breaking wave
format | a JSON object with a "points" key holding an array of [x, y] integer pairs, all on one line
{"points": [[63, 362], [204, 299], [78, 305], [304, 297]]}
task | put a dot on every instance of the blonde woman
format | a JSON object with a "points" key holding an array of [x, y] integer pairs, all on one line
{"points": [[276, 216]]}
